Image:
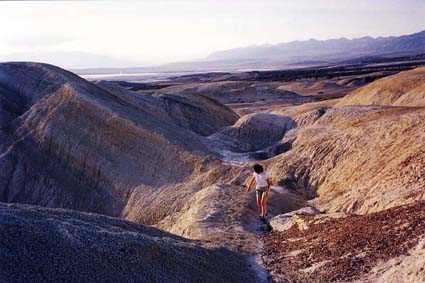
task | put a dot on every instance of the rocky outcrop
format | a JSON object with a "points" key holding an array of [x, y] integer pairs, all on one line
{"points": [[286, 221], [253, 132], [50, 245], [403, 89]]}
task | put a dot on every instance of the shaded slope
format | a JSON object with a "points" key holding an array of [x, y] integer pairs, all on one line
{"points": [[187, 110], [198, 113], [48, 245], [73, 144], [253, 132], [403, 89]]}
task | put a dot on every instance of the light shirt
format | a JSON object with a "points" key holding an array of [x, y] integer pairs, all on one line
{"points": [[261, 179]]}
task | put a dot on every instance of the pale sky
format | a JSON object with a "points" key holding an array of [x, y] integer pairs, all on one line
{"points": [[156, 32]]}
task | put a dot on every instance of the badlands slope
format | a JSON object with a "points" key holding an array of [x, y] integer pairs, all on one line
{"points": [[69, 143], [180, 161], [386, 246], [404, 89], [357, 159]]}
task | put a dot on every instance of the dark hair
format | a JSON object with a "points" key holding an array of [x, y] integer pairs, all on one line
{"points": [[258, 168]]}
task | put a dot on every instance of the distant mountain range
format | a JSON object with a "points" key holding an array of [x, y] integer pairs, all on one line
{"points": [[307, 53], [293, 54], [341, 48]]}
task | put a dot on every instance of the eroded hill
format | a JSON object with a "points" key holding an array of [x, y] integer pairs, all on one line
{"points": [[69, 143], [404, 89], [356, 159]]}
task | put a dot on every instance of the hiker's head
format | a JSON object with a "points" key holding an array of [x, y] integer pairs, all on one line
{"points": [[258, 168]]}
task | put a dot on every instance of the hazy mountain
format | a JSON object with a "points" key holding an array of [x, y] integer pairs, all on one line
{"points": [[69, 60], [327, 49], [309, 52], [290, 55]]}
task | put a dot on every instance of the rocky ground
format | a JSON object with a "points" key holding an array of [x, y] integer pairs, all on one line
{"points": [[347, 248]]}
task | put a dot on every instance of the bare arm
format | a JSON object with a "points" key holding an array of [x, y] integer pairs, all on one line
{"points": [[251, 183]]}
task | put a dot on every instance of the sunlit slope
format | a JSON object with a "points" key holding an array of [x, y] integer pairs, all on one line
{"points": [[403, 89]]}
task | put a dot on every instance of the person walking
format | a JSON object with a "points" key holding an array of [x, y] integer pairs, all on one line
{"points": [[263, 182]]}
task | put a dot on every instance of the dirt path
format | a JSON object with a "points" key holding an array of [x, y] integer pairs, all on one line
{"points": [[280, 201]]}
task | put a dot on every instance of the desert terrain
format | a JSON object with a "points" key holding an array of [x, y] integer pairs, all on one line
{"points": [[130, 181]]}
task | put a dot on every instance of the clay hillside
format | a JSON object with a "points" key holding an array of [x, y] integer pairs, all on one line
{"points": [[84, 166], [69, 143]]}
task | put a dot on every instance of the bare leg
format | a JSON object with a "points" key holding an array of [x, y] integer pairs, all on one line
{"points": [[264, 204], [259, 201]]}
